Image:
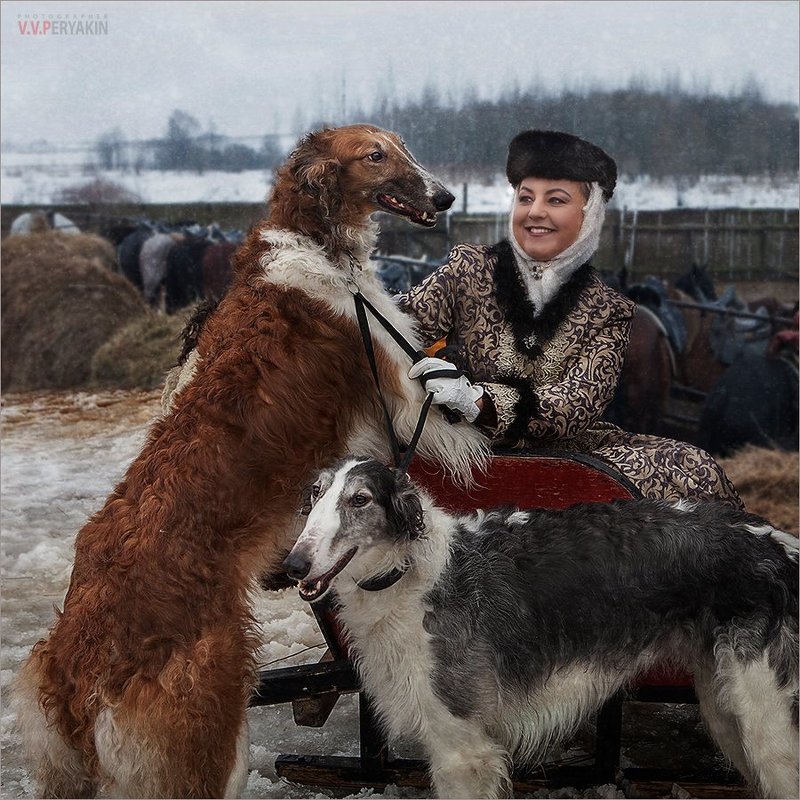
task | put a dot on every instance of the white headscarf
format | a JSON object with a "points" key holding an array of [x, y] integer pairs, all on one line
{"points": [[543, 279]]}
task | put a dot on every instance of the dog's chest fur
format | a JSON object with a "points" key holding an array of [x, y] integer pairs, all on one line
{"points": [[391, 648], [297, 262]]}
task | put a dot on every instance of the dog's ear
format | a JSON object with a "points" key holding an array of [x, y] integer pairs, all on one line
{"points": [[405, 512], [316, 174]]}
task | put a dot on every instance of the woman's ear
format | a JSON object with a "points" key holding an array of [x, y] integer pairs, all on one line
{"points": [[405, 514]]}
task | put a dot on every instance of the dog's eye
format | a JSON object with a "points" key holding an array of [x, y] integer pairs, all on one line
{"points": [[359, 500], [315, 491], [376, 155]]}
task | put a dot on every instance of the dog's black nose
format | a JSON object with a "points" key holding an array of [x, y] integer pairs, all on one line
{"points": [[296, 566], [443, 200]]}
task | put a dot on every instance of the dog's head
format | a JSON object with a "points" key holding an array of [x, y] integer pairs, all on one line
{"points": [[355, 170], [363, 515]]}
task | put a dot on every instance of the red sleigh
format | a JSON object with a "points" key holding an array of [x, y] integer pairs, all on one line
{"points": [[543, 479]]}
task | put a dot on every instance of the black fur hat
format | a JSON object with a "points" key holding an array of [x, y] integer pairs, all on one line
{"points": [[555, 155]]}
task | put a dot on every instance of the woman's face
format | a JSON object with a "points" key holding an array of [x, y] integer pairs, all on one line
{"points": [[547, 216]]}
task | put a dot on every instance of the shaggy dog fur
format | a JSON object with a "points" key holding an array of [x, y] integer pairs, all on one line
{"points": [[141, 688], [504, 629]]}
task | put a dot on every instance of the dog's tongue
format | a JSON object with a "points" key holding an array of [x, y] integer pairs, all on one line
{"points": [[313, 590]]}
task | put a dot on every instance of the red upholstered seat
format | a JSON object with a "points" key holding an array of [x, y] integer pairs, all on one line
{"points": [[528, 480]]}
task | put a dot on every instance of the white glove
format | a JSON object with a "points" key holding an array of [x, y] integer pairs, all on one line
{"points": [[457, 393]]}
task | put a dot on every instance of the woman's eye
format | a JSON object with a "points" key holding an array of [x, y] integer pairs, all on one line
{"points": [[375, 156], [359, 500]]}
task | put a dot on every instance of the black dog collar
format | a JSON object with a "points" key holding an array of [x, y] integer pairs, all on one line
{"points": [[380, 582]]}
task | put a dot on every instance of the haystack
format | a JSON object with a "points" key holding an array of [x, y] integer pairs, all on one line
{"points": [[30, 248], [61, 299], [768, 482], [140, 353]]}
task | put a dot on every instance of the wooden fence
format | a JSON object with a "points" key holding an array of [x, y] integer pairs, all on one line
{"points": [[737, 244]]}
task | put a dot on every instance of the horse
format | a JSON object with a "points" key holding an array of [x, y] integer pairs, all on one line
{"points": [[754, 402], [217, 269], [40, 220], [669, 352], [129, 250], [153, 259], [640, 402], [698, 284], [399, 273], [183, 280]]}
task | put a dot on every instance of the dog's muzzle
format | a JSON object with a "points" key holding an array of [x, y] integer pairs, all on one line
{"points": [[298, 566]]}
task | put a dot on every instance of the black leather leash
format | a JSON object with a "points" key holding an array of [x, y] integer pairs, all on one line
{"points": [[401, 459]]}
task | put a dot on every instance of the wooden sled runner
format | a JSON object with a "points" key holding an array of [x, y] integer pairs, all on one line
{"points": [[540, 479]]}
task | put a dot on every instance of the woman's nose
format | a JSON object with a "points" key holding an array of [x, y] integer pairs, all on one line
{"points": [[536, 209]]}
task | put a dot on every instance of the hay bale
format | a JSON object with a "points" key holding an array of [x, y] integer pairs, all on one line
{"points": [[768, 482], [30, 247], [60, 301], [140, 353]]}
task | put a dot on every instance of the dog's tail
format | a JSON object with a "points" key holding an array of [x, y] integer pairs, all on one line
{"points": [[750, 699]]}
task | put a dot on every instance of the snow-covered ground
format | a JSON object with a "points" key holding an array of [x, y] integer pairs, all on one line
{"points": [[28, 184], [61, 455]]}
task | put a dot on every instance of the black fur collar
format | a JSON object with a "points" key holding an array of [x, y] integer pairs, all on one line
{"points": [[532, 332]]}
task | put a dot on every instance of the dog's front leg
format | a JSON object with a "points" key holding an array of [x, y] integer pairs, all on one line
{"points": [[468, 763]]}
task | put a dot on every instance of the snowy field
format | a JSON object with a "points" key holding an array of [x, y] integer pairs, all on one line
{"points": [[28, 184], [62, 454]]}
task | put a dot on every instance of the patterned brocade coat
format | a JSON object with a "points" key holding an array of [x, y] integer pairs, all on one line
{"points": [[551, 378]]}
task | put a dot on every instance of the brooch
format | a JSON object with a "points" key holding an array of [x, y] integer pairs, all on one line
{"points": [[536, 272]]}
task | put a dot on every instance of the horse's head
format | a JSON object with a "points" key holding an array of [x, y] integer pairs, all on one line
{"points": [[698, 284]]}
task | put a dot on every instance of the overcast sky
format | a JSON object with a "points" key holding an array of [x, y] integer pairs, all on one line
{"points": [[247, 68]]}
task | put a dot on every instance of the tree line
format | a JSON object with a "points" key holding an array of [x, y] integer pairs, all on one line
{"points": [[668, 132], [186, 147], [658, 133]]}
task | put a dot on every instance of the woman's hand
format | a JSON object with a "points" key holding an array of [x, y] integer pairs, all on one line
{"points": [[449, 386]]}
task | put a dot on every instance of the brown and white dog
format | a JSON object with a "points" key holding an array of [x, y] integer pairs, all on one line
{"points": [[141, 688]]}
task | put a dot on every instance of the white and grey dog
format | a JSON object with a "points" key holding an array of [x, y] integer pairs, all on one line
{"points": [[496, 633]]}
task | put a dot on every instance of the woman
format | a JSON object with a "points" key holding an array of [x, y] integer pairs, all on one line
{"points": [[540, 336]]}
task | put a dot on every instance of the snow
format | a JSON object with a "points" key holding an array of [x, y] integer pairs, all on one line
{"points": [[62, 455], [41, 184]]}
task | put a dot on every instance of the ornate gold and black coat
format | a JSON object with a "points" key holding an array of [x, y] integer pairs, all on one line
{"points": [[550, 377]]}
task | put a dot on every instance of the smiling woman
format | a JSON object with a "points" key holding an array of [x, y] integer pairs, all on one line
{"points": [[539, 338]]}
